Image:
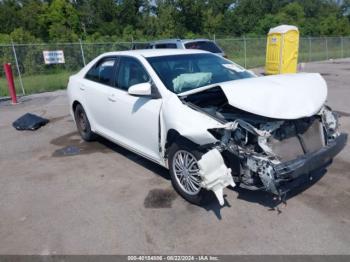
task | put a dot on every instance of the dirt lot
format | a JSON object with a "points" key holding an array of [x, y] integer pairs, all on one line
{"points": [[60, 195]]}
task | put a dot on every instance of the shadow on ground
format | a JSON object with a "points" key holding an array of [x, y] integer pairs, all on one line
{"points": [[71, 144], [273, 202]]}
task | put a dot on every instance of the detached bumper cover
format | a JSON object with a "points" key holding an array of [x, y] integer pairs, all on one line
{"points": [[298, 168]]}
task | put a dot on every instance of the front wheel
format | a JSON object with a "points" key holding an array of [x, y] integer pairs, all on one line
{"points": [[184, 172]]}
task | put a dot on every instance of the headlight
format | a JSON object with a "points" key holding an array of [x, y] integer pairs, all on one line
{"points": [[331, 122]]}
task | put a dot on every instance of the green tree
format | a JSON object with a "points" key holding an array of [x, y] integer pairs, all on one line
{"points": [[345, 8], [167, 25], [246, 15], [191, 14], [129, 12], [31, 14], [219, 6], [105, 13], [5, 39], [292, 13], [62, 21], [20, 36], [266, 23], [10, 17], [107, 20], [211, 22], [333, 25]]}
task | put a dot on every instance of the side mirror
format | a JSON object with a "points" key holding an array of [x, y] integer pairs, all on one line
{"points": [[143, 89]]}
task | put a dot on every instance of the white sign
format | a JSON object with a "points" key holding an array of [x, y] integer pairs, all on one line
{"points": [[53, 57]]}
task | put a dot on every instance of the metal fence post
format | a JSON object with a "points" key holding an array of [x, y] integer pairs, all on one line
{"points": [[326, 48], [245, 51], [19, 71], [82, 51], [310, 43], [341, 47]]}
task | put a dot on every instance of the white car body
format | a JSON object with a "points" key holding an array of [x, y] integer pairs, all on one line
{"points": [[142, 124], [138, 130]]}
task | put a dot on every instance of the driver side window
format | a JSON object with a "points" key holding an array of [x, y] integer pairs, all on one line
{"points": [[130, 72]]}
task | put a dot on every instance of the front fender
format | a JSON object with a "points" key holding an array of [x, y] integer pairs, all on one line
{"points": [[189, 123]]}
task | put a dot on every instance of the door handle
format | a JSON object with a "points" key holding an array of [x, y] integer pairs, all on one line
{"points": [[82, 87], [111, 98]]}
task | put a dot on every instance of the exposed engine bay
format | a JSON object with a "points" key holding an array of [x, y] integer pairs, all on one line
{"points": [[265, 153]]}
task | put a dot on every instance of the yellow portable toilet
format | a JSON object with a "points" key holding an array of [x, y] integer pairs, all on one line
{"points": [[282, 50]]}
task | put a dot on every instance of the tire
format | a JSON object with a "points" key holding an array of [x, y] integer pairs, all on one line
{"points": [[199, 197], [83, 124]]}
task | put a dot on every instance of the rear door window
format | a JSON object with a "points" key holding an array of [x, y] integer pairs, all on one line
{"points": [[102, 71], [203, 45], [166, 46]]}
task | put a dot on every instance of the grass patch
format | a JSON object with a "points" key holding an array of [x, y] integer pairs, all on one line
{"points": [[259, 60], [37, 83]]}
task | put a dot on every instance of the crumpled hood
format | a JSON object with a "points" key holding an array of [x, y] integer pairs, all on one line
{"points": [[289, 96]]}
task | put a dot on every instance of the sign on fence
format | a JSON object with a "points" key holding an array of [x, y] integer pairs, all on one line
{"points": [[54, 57]]}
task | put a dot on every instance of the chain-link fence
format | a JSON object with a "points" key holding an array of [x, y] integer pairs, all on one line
{"points": [[250, 52], [32, 75], [35, 76]]}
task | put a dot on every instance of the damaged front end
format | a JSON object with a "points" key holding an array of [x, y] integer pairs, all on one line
{"points": [[264, 153], [273, 154]]}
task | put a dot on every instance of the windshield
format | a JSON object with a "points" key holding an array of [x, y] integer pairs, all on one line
{"points": [[181, 73], [203, 45]]}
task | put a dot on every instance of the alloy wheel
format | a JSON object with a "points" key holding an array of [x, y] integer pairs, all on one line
{"points": [[186, 170]]}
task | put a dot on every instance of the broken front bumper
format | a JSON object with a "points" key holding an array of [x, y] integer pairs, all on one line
{"points": [[287, 175]]}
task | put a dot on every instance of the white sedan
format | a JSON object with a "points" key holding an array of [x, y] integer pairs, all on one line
{"points": [[212, 123]]}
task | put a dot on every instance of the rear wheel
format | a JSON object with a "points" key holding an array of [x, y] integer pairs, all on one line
{"points": [[83, 124], [184, 172]]}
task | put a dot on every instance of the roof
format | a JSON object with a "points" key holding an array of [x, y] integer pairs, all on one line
{"points": [[157, 52], [282, 29], [174, 40]]}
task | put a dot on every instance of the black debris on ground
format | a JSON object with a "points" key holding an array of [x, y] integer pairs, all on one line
{"points": [[29, 122]]}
